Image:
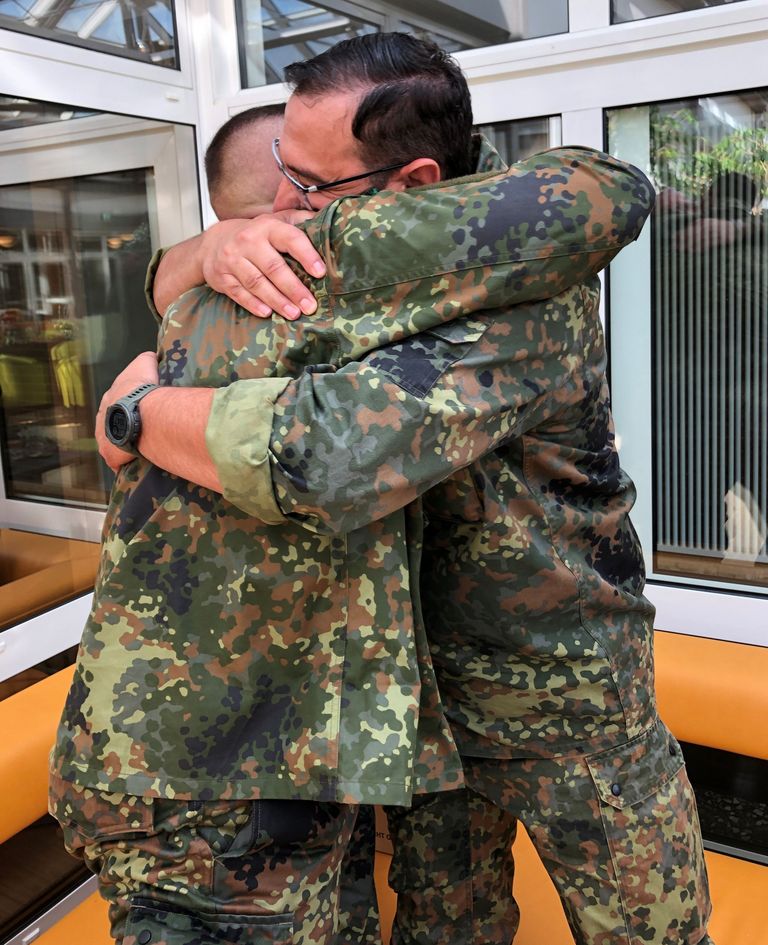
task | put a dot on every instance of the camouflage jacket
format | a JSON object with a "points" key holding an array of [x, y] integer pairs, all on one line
{"points": [[241, 648]]}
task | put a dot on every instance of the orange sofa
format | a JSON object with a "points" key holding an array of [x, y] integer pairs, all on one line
{"points": [[710, 692], [28, 719]]}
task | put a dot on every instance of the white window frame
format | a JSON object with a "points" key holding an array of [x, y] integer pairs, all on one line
{"points": [[92, 145], [54, 71], [28, 643]]}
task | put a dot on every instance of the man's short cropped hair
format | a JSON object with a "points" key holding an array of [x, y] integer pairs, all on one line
{"points": [[417, 104], [214, 155]]}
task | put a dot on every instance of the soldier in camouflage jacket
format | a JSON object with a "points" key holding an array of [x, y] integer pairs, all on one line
{"points": [[531, 586], [226, 659]]}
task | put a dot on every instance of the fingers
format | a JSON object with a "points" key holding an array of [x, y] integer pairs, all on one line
{"points": [[246, 263], [263, 291], [297, 244], [234, 288]]}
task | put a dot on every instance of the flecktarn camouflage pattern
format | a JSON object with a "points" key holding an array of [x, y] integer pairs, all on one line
{"points": [[233, 652], [211, 872], [532, 578], [617, 832]]}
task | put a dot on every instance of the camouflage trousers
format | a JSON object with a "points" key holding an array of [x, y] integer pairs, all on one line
{"points": [[617, 831], [208, 872]]}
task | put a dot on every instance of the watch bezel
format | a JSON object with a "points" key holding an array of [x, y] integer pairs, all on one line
{"points": [[123, 410], [128, 407]]}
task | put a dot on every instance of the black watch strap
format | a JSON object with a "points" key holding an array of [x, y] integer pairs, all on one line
{"points": [[135, 395]]}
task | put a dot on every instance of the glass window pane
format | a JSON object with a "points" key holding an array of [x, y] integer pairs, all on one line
{"points": [[274, 33], [465, 25], [74, 250], [624, 11], [73, 271], [38, 572], [519, 139], [21, 112], [144, 31], [708, 159]]}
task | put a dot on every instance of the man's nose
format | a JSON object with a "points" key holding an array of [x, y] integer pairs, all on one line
{"points": [[287, 197]]}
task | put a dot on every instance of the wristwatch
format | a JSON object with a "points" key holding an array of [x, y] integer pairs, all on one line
{"points": [[123, 421]]}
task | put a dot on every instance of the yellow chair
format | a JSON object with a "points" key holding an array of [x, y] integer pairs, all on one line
{"points": [[66, 361], [24, 382]]}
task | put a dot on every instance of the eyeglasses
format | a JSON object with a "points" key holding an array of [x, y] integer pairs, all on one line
{"points": [[330, 185]]}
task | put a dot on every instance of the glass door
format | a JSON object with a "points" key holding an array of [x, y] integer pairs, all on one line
{"points": [[82, 208]]}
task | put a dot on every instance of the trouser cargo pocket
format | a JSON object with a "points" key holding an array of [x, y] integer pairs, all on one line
{"points": [[652, 829], [153, 922]]}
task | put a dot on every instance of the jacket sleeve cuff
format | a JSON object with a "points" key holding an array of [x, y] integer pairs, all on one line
{"points": [[149, 283], [237, 436]]}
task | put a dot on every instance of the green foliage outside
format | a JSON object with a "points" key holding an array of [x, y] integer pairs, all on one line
{"points": [[688, 161]]}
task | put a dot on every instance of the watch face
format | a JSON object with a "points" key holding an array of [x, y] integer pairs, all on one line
{"points": [[118, 424]]}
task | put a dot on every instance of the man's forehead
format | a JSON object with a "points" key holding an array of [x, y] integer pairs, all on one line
{"points": [[331, 114]]}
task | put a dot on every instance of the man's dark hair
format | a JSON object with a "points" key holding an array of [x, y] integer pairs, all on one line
{"points": [[214, 155], [417, 104]]}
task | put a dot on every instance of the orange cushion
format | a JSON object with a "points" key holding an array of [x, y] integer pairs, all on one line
{"points": [[41, 571], [713, 693], [30, 717], [87, 924], [739, 900]]}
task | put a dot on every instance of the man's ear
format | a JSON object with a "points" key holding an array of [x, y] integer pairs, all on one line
{"points": [[415, 174]]}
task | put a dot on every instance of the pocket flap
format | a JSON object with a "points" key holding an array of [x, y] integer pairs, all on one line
{"points": [[153, 922], [461, 331], [626, 775]]}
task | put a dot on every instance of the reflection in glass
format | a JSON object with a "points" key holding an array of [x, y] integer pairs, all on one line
{"points": [[519, 139], [18, 112], [143, 30], [709, 162], [72, 314], [624, 11], [274, 33], [448, 43]]}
